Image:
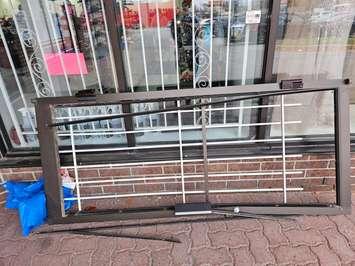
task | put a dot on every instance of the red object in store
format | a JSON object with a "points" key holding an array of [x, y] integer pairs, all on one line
{"points": [[149, 19]]}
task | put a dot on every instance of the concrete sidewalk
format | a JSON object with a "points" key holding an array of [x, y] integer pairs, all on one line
{"points": [[322, 240]]}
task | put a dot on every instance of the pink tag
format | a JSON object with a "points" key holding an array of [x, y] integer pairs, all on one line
{"points": [[72, 64]]}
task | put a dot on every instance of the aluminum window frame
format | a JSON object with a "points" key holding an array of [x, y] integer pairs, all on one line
{"points": [[51, 160]]}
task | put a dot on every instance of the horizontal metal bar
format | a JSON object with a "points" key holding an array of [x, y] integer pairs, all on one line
{"points": [[295, 210], [177, 145], [184, 107], [159, 129], [187, 161], [185, 175], [191, 111], [246, 190], [171, 95], [167, 193]]}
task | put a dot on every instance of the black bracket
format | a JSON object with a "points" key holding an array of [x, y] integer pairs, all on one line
{"points": [[291, 84]]}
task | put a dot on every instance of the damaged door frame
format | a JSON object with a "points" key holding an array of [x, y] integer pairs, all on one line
{"points": [[47, 130]]}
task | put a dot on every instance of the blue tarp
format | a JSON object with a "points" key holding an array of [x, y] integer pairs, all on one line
{"points": [[30, 201]]}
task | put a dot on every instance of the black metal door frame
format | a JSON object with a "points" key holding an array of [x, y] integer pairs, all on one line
{"points": [[51, 163]]}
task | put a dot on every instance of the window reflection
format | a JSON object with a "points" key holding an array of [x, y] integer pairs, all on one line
{"points": [[315, 42], [212, 37]]}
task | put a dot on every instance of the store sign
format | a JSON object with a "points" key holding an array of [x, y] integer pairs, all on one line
{"points": [[253, 17]]}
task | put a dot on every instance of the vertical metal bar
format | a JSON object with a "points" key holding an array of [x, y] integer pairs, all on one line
{"points": [[193, 55], [193, 45], [76, 174], [270, 45], [181, 156], [204, 149], [144, 56], [92, 45], [179, 112], [263, 132], [111, 12], [160, 56], [244, 71], [109, 47], [58, 48], [211, 59], [12, 112], [75, 44], [126, 46], [50, 162], [143, 46], [18, 83], [342, 152], [5, 143], [19, 33], [283, 141], [227, 57]]}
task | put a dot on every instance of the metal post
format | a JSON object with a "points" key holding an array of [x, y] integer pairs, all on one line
{"points": [[204, 148], [342, 152], [283, 141], [50, 162]]}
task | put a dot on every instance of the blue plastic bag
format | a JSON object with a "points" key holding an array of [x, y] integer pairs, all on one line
{"points": [[30, 201]]}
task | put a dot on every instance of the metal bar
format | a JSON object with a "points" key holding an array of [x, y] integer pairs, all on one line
{"points": [[270, 45], [342, 152], [58, 49], [181, 161], [110, 12], [190, 111], [113, 196], [24, 51], [190, 192], [76, 173], [75, 44], [211, 43], [172, 95], [50, 163], [188, 160], [169, 213], [164, 129], [193, 55], [5, 142], [86, 15], [112, 27], [113, 180], [284, 92], [93, 232], [143, 46], [205, 152], [18, 83], [283, 142], [112, 58], [126, 45], [11, 112], [160, 55], [169, 146], [227, 56], [268, 64]]}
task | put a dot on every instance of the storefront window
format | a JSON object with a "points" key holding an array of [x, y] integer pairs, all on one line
{"points": [[315, 42], [55, 48]]}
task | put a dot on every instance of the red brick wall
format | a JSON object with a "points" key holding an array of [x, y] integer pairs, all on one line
{"points": [[311, 172]]}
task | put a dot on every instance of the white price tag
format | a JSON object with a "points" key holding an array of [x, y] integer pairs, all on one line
{"points": [[253, 17]]}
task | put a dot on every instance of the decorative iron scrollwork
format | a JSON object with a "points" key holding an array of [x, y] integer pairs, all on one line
{"points": [[36, 63]]}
